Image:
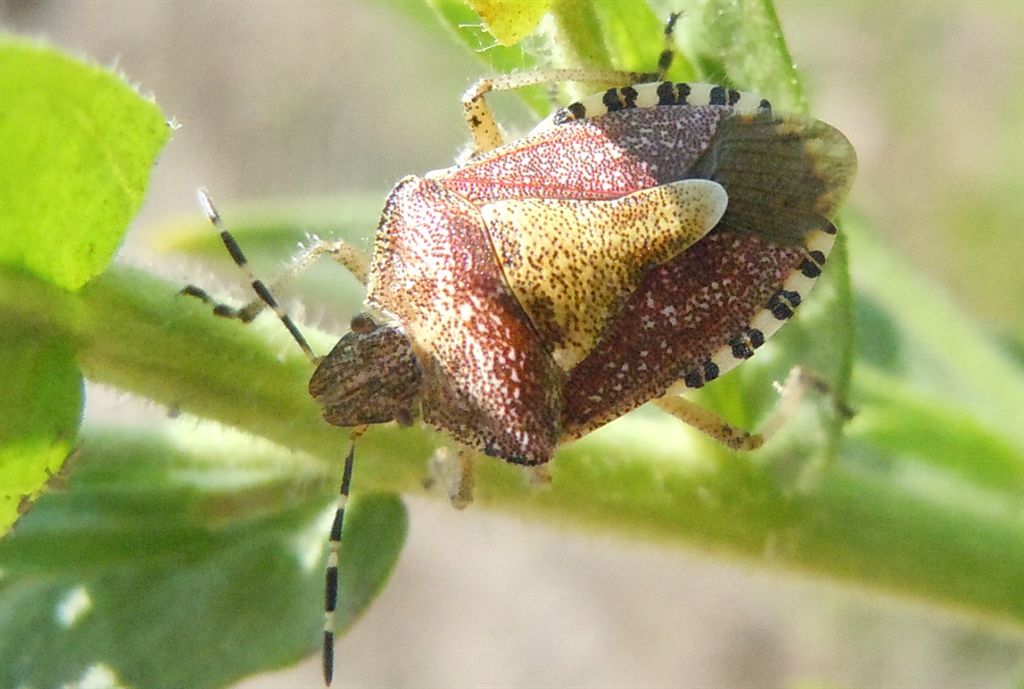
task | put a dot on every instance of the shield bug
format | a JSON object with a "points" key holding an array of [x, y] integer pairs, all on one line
{"points": [[635, 244]]}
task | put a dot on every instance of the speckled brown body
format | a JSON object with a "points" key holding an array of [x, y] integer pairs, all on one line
{"points": [[553, 284], [487, 378]]}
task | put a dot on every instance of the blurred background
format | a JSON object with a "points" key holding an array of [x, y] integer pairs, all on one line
{"points": [[305, 99]]}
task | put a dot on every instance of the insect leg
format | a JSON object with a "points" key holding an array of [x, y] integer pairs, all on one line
{"points": [[331, 574], [709, 423], [480, 119], [539, 475], [791, 392], [248, 312], [350, 257], [456, 475], [462, 496]]}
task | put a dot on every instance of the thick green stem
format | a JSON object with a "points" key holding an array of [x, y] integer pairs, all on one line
{"points": [[644, 475], [577, 40]]}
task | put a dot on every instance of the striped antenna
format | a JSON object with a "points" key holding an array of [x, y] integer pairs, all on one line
{"points": [[257, 285], [668, 53], [331, 577]]}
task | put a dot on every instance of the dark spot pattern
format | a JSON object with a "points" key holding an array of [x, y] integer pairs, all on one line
{"points": [[809, 269], [741, 348], [783, 303], [670, 93], [615, 155], [666, 93], [756, 337], [576, 111], [812, 264], [611, 100]]}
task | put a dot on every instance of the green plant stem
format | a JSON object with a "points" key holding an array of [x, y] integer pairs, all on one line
{"points": [[845, 523], [643, 475], [577, 40]]}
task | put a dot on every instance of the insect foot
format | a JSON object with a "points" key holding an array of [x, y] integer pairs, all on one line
{"points": [[455, 473]]}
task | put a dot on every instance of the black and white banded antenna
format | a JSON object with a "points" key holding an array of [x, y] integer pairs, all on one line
{"points": [[246, 315], [257, 285], [331, 577]]}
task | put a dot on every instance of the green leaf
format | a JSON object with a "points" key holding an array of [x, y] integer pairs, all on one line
{"points": [[930, 385], [466, 27], [740, 43], [575, 39], [164, 549], [902, 423], [629, 30], [509, 21], [78, 144], [41, 398]]}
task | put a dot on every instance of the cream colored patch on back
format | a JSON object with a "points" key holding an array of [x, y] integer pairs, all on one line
{"points": [[572, 263]]}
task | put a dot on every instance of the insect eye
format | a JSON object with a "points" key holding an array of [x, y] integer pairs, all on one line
{"points": [[362, 323]]}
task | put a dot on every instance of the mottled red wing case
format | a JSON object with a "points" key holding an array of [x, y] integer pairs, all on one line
{"points": [[603, 158], [785, 178], [488, 380]]}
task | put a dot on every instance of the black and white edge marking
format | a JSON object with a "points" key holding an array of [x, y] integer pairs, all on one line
{"points": [[780, 307], [652, 95]]}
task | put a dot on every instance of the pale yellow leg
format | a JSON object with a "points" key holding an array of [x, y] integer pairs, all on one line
{"points": [[709, 423], [539, 475], [463, 495], [350, 257], [457, 475], [480, 118], [791, 392]]}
